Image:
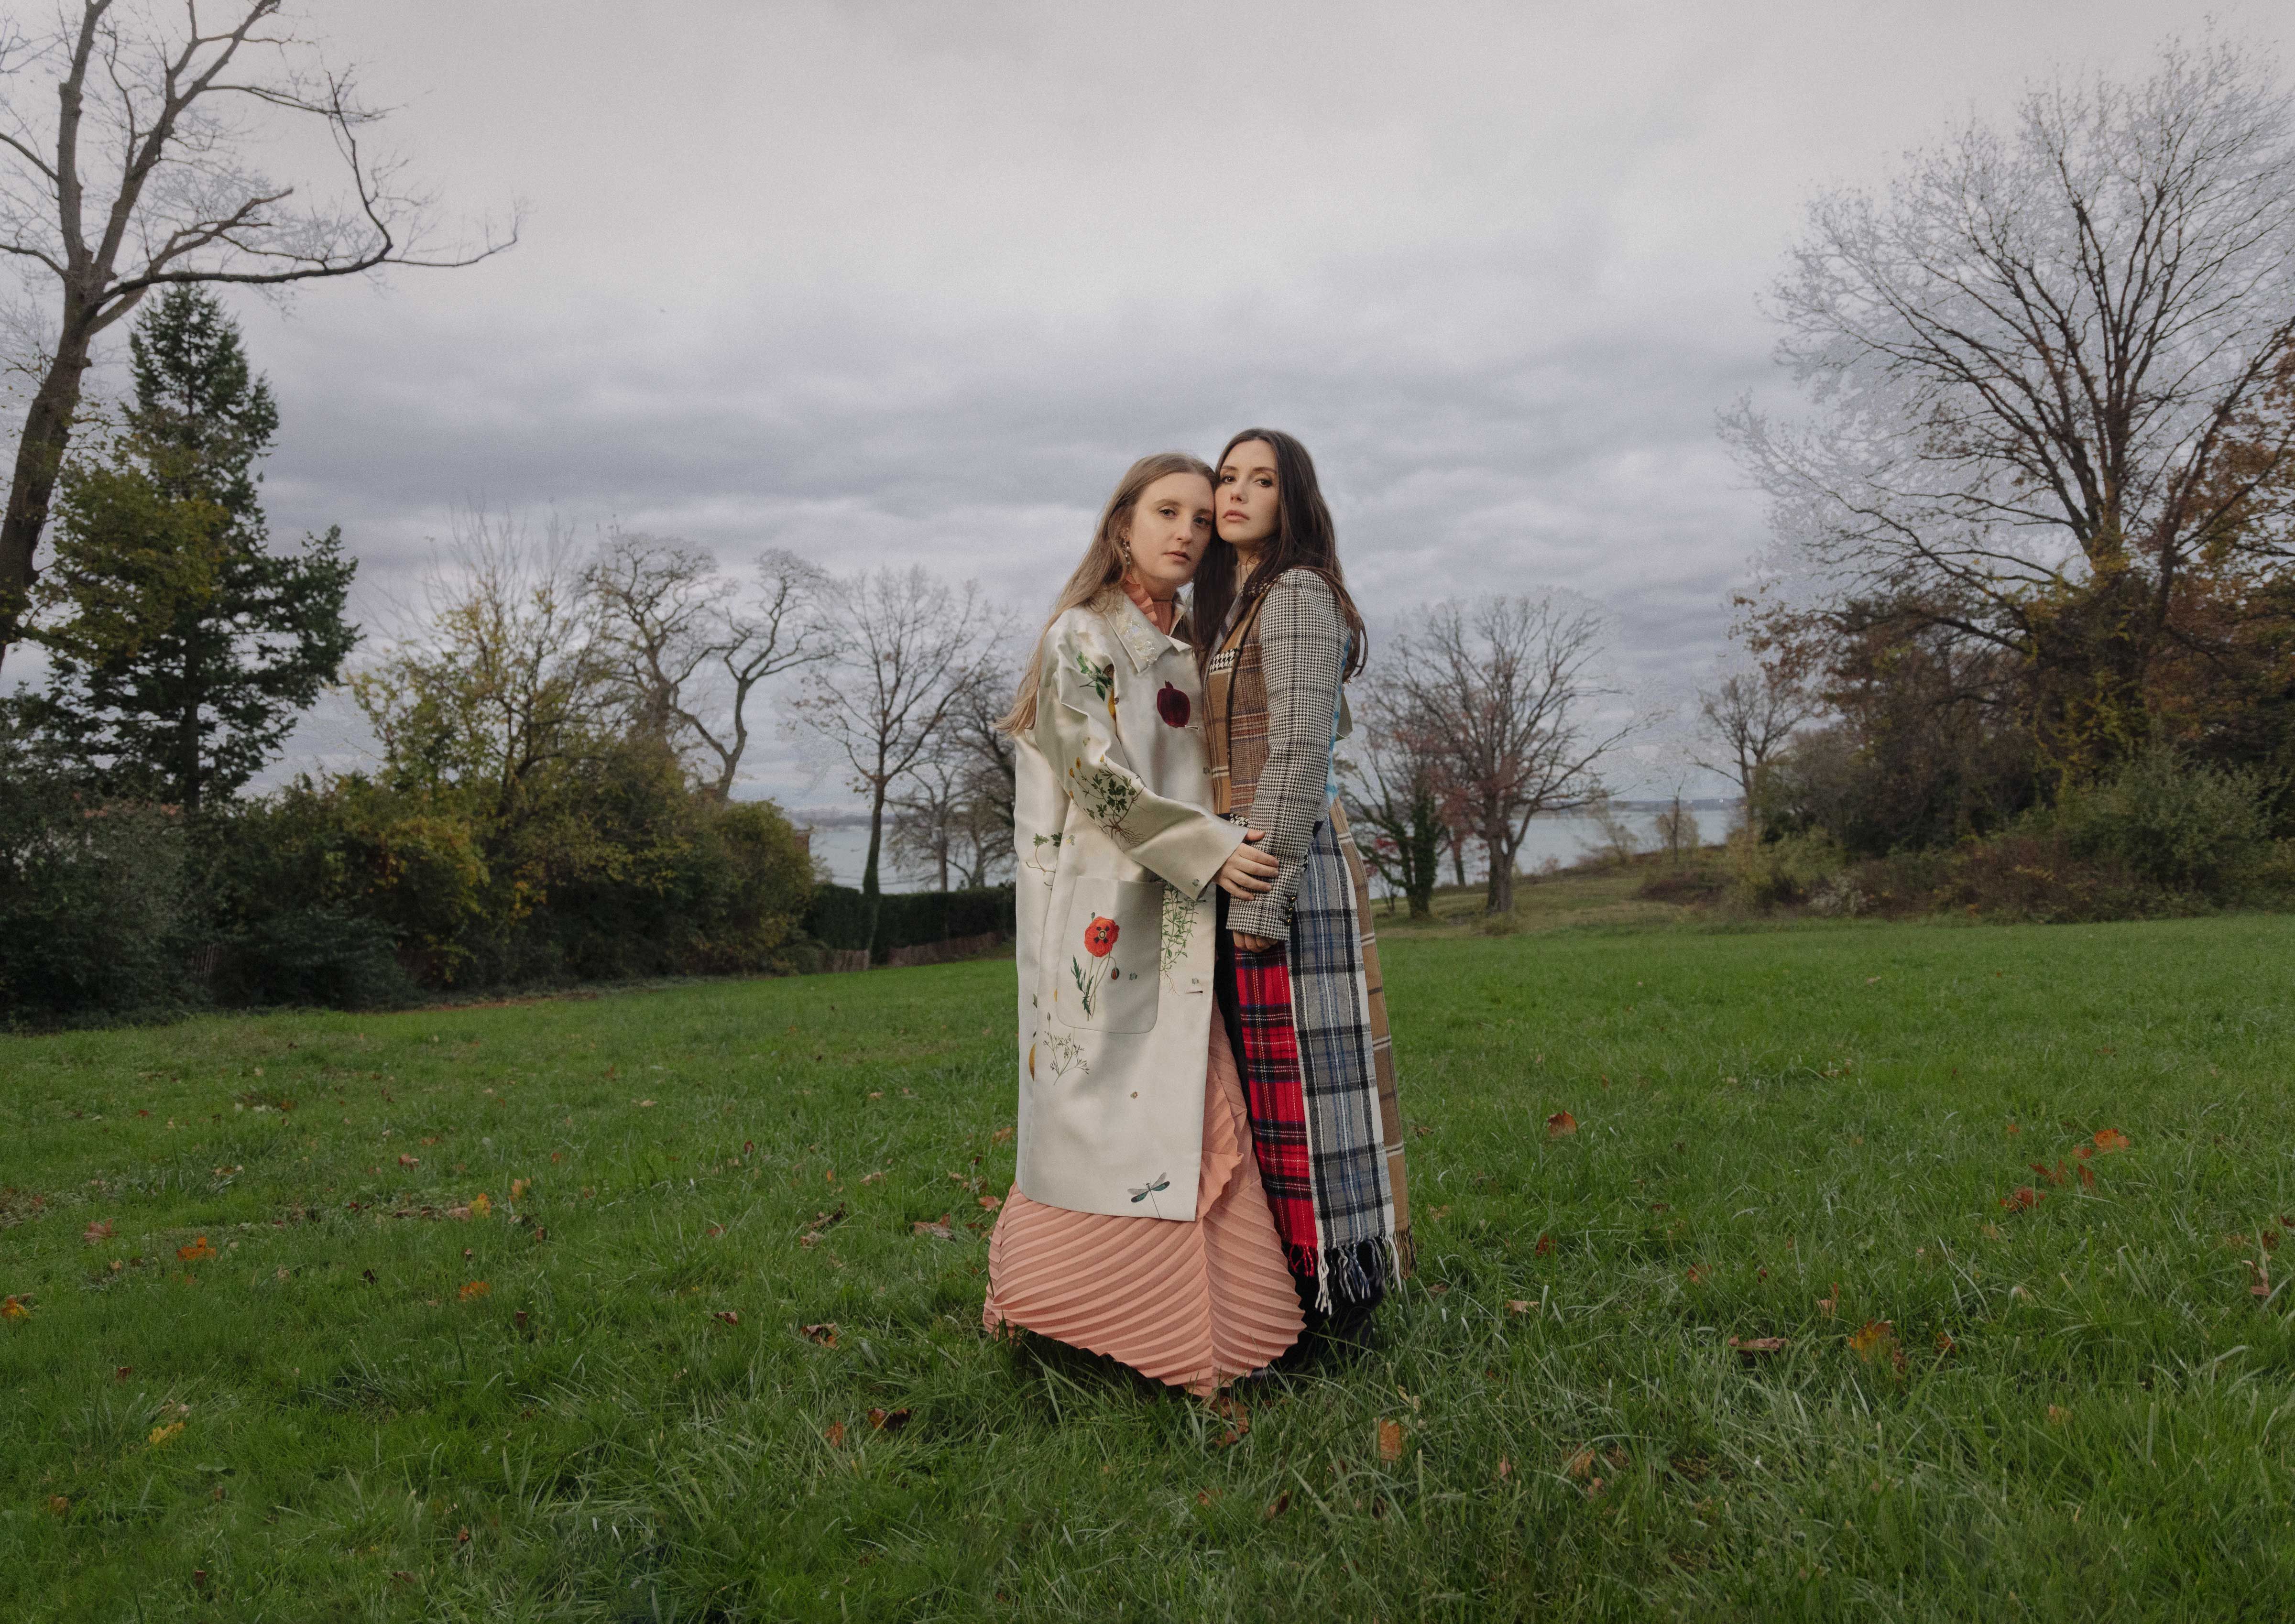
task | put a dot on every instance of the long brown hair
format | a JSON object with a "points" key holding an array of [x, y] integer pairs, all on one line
{"points": [[1305, 539], [1103, 563]]}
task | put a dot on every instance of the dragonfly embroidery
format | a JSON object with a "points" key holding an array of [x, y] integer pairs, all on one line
{"points": [[1140, 1192]]}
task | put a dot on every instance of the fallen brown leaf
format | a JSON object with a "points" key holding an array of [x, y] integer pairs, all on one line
{"points": [[825, 1332], [1278, 1507], [2022, 1199], [100, 1230], [1877, 1337], [2110, 1139], [475, 1289], [1390, 1440], [888, 1420], [1752, 1347], [835, 1434], [1519, 1305], [729, 1316], [1560, 1124]]}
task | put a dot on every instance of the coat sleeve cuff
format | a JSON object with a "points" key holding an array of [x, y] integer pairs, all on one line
{"points": [[1189, 855]]}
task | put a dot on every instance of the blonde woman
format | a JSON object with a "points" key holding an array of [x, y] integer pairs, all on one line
{"points": [[1137, 1227]]}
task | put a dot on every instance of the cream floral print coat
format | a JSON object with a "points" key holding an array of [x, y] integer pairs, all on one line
{"points": [[1117, 912]]}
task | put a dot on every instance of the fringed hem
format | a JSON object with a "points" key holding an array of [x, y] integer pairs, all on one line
{"points": [[1351, 1272]]}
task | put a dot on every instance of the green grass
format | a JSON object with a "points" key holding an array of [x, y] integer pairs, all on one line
{"points": [[1768, 1123]]}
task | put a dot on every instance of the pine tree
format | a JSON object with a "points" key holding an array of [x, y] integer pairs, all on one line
{"points": [[181, 646]]}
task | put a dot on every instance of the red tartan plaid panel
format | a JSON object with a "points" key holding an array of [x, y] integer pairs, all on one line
{"points": [[1276, 1092]]}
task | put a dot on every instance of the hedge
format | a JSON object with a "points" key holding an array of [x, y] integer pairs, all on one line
{"points": [[839, 916]]}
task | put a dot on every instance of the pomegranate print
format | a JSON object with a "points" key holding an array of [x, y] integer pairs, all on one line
{"points": [[1173, 707]]}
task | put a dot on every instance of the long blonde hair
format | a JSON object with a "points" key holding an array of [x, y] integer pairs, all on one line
{"points": [[1104, 564]]}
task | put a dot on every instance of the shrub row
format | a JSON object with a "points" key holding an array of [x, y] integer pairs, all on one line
{"points": [[838, 916]]}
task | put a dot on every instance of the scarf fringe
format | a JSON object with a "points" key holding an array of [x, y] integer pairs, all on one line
{"points": [[1353, 1268]]}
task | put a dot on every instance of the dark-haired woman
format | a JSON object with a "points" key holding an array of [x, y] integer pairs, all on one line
{"points": [[1277, 635]]}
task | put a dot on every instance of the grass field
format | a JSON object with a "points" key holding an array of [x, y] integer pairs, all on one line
{"points": [[291, 1382]]}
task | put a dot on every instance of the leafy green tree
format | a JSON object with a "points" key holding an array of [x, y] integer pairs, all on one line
{"points": [[182, 646]]}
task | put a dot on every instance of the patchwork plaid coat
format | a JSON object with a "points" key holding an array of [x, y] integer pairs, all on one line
{"points": [[1317, 1063], [1118, 918]]}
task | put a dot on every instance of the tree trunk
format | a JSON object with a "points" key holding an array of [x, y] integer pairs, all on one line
{"points": [[1423, 862], [39, 457], [1499, 894], [869, 891]]}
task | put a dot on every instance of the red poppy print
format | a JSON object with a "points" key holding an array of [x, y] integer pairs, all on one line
{"points": [[1099, 937], [1173, 707]]}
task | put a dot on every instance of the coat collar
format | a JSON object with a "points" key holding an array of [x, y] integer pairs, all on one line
{"points": [[1141, 640]]}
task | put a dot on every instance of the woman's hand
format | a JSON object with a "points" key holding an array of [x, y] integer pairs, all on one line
{"points": [[1254, 944], [1247, 874]]}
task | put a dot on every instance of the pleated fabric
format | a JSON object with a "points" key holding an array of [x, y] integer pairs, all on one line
{"points": [[1194, 1305]]}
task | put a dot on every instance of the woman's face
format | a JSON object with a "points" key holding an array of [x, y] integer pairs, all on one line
{"points": [[1248, 494], [1171, 526]]}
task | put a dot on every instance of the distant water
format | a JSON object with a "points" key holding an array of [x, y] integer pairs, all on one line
{"points": [[1564, 839]]}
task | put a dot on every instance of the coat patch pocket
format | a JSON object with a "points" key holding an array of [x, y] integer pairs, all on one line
{"points": [[1109, 955]]}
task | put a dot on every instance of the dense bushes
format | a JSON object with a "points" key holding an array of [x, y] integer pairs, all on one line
{"points": [[95, 907], [354, 894], [839, 916], [2160, 835]]}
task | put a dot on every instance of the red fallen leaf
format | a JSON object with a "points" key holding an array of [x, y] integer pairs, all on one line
{"points": [[197, 1250], [992, 1201], [1205, 1496], [2087, 1177], [1506, 1468], [1390, 1440], [1281, 1503], [727, 1315], [1697, 1275], [2015, 1128], [939, 1231], [2058, 1414], [407, 1161], [715, 1231], [520, 1317], [1545, 1247], [1945, 1343], [835, 1434], [463, 1536], [367, 1275], [2022, 1199], [1580, 1464], [1878, 1336], [100, 1230], [888, 1420], [999, 1136], [1825, 1305], [1560, 1124], [2109, 1139], [2048, 1178], [14, 1308], [473, 1290], [123, 1373], [1519, 1305], [747, 1146], [825, 1332], [1752, 1347]]}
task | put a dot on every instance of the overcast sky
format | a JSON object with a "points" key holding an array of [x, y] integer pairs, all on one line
{"points": [[906, 281]]}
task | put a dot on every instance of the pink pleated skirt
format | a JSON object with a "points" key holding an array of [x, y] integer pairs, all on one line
{"points": [[1195, 1305]]}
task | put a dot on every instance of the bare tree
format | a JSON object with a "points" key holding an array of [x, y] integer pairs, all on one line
{"points": [[1397, 805], [1508, 690], [2042, 368], [1745, 719], [910, 647], [653, 599], [167, 117], [1677, 827], [689, 650], [778, 627]]}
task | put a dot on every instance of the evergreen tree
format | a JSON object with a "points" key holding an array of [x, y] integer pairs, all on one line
{"points": [[183, 648]]}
